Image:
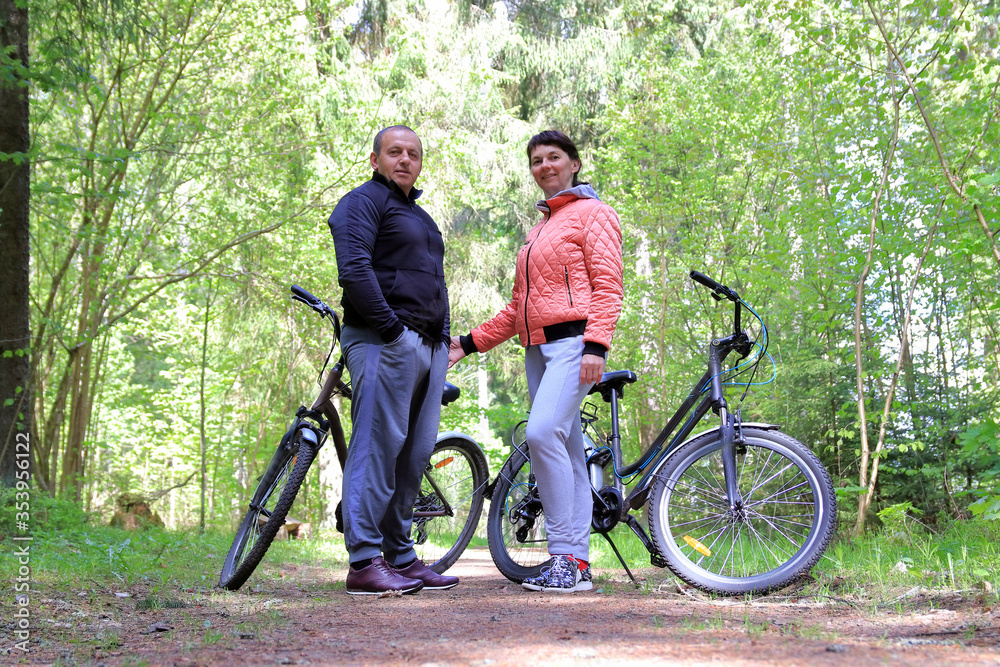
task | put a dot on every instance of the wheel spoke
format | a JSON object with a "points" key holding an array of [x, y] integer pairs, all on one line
{"points": [[759, 541], [276, 490], [449, 503], [521, 522]]}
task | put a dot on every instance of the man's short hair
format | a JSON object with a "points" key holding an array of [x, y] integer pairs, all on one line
{"points": [[377, 144]]}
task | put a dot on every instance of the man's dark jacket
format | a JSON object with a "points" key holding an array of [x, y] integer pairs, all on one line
{"points": [[390, 257]]}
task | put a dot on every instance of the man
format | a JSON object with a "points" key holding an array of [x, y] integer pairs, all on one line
{"points": [[390, 257]]}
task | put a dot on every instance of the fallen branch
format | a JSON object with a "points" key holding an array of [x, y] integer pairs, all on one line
{"points": [[159, 494]]}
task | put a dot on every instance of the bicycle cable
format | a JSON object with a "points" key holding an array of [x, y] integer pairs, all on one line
{"points": [[751, 362], [333, 345], [757, 359]]}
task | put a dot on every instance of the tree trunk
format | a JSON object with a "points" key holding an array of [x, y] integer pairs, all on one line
{"points": [[15, 177], [865, 500], [202, 411]]}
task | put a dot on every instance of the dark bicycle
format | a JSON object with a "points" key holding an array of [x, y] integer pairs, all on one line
{"points": [[445, 514], [740, 508]]}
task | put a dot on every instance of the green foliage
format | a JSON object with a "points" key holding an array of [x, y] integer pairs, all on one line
{"points": [[978, 444], [80, 555], [184, 170], [898, 520], [47, 514]]}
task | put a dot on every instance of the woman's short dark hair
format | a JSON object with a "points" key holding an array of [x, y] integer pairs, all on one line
{"points": [[559, 140]]}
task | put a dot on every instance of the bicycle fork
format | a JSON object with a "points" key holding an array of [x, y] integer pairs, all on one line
{"points": [[727, 428]]}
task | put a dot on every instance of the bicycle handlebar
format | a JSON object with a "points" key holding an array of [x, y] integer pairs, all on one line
{"points": [[313, 302], [305, 296], [718, 289]]}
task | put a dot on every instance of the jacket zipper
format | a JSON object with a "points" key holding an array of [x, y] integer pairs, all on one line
{"points": [[568, 292], [527, 280]]}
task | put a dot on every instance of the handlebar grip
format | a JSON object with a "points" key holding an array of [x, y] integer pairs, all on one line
{"points": [[699, 277], [719, 291], [303, 294]]}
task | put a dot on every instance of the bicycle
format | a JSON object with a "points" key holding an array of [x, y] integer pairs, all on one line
{"points": [[447, 509], [740, 508]]}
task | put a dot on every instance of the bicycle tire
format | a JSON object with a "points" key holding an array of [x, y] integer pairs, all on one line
{"points": [[453, 483], [272, 499], [786, 523], [515, 526]]}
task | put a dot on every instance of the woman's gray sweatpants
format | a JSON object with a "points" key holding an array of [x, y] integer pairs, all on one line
{"points": [[555, 443], [394, 423]]}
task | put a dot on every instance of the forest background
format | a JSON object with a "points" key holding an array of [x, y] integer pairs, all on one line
{"points": [[835, 162]]}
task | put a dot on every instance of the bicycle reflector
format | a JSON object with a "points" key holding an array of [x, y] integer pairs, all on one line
{"points": [[697, 546], [443, 462]]}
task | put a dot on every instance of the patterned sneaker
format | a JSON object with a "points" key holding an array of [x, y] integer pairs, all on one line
{"points": [[562, 576], [586, 580], [535, 583]]}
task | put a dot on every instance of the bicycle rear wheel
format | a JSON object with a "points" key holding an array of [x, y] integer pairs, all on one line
{"points": [[269, 506], [786, 520], [515, 526], [447, 511]]}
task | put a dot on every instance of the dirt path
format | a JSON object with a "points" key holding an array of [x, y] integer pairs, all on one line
{"points": [[305, 618]]}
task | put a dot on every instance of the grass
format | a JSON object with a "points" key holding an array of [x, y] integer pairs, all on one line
{"points": [[694, 624], [876, 568], [108, 558], [603, 556], [69, 555], [963, 556]]}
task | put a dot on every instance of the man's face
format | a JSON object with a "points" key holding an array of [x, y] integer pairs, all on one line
{"points": [[400, 159]]}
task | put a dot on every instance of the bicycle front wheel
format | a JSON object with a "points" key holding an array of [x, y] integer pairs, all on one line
{"points": [[447, 511], [273, 497], [780, 530], [515, 527]]}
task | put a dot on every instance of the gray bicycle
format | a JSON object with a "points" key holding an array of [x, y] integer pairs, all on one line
{"points": [[740, 508]]}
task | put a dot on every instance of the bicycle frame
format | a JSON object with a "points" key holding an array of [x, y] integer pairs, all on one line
{"points": [[706, 394], [325, 414], [677, 430], [667, 440]]}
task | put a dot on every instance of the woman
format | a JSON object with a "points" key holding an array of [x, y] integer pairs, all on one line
{"points": [[566, 301]]}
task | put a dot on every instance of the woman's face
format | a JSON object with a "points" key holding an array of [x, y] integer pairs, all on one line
{"points": [[552, 169]]}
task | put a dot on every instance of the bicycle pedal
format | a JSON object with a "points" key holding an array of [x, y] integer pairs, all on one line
{"points": [[657, 560]]}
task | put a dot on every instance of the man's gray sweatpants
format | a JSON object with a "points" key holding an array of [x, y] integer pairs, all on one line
{"points": [[555, 443], [394, 413]]}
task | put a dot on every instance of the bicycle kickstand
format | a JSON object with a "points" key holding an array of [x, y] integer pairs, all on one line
{"points": [[620, 559]]}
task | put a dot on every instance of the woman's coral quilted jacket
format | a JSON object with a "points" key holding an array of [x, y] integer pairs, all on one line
{"points": [[569, 269]]}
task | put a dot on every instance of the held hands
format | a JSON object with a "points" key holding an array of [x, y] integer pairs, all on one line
{"points": [[591, 368], [455, 351]]}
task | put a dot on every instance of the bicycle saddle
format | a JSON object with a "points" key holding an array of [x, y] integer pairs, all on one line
{"points": [[450, 393], [613, 381]]}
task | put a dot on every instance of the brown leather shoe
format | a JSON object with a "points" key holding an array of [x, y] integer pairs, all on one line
{"points": [[378, 578], [432, 580]]}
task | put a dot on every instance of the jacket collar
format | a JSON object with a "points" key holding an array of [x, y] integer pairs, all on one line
{"points": [[560, 199], [414, 192]]}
